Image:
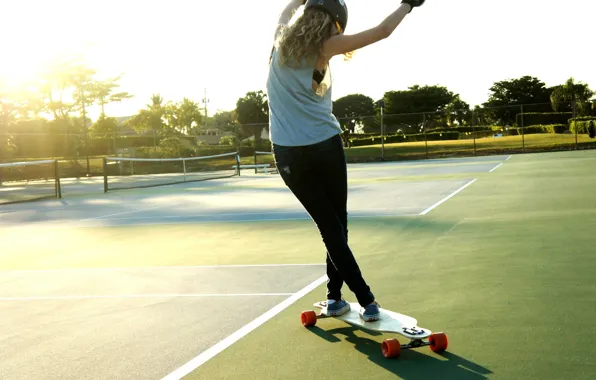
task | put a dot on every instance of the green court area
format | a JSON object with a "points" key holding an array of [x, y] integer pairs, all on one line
{"points": [[505, 268]]}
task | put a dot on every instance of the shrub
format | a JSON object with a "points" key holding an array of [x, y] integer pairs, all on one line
{"points": [[542, 118], [463, 129], [401, 138], [553, 128], [581, 124], [228, 140]]}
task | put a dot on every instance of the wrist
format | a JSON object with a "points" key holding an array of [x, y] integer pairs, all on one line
{"points": [[407, 6]]}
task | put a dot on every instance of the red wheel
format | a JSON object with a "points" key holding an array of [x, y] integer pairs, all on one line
{"points": [[438, 342], [391, 348], [308, 318]]}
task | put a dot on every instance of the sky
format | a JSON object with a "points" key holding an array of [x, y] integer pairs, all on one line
{"points": [[180, 48]]}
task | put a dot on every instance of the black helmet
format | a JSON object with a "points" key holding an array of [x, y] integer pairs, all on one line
{"points": [[336, 9]]}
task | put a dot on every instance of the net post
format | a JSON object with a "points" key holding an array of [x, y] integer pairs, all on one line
{"points": [[238, 164], [57, 180], [105, 175], [255, 160], [184, 169]]}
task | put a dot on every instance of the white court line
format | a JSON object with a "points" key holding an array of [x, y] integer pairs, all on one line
{"points": [[239, 334], [299, 214], [49, 298], [507, 159], [447, 198], [160, 267], [496, 167], [129, 212], [159, 221]]}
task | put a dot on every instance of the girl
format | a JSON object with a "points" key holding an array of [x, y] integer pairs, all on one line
{"points": [[306, 136]]}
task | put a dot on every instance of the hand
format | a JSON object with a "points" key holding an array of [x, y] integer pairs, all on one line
{"points": [[413, 3]]}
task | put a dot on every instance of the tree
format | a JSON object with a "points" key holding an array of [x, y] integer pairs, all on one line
{"points": [[355, 108], [507, 96], [564, 96], [253, 109], [62, 85], [457, 111], [150, 119], [225, 120], [11, 105], [183, 117], [103, 92], [418, 104]]}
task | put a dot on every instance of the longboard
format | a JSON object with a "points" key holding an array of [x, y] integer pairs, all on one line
{"points": [[389, 322]]}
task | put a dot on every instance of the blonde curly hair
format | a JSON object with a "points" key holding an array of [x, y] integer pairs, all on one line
{"points": [[304, 39]]}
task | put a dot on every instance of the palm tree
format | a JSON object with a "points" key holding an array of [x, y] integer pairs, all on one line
{"points": [[575, 93]]}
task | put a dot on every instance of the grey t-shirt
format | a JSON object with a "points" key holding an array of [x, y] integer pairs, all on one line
{"points": [[298, 116]]}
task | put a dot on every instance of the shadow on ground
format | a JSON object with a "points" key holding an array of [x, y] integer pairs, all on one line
{"points": [[413, 363]]}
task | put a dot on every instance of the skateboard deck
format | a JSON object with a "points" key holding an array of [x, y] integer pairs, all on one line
{"points": [[389, 322]]}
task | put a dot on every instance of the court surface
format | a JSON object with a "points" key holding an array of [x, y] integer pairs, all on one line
{"points": [[207, 280]]}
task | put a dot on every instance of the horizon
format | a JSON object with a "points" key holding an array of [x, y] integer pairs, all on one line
{"points": [[168, 50]]}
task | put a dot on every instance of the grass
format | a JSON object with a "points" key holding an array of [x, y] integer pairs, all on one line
{"points": [[486, 145]]}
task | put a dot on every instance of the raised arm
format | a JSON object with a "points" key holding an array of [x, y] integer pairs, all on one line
{"points": [[343, 43], [286, 15]]}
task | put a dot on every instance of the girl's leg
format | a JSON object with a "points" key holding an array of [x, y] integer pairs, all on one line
{"points": [[314, 174]]}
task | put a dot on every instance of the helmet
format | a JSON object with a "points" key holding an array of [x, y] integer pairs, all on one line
{"points": [[337, 9]]}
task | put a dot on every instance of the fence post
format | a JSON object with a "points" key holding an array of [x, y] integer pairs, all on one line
{"points": [[576, 126], [474, 132], [382, 134], [425, 136], [105, 175], [522, 129], [57, 180], [381, 105]]}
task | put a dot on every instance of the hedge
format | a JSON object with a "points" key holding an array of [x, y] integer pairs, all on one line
{"points": [[464, 129], [400, 138], [553, 128], [542, 118], [581, 123]]}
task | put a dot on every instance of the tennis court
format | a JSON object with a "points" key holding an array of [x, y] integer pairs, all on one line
{"points": [[206, 280]]}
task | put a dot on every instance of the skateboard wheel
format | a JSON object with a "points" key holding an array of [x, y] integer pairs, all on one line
{"points": [[308, 318], [391, 348], [438, 342]]}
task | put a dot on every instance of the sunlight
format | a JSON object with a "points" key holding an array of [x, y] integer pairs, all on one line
{"points": [[18, 72]]}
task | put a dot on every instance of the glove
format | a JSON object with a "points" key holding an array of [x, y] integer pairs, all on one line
{"points": [[413, 3]]}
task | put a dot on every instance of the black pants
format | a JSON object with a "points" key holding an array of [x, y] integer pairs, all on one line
{"points": [[317, 176]]}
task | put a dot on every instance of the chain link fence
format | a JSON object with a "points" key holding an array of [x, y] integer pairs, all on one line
{"points": [[446, 133]]}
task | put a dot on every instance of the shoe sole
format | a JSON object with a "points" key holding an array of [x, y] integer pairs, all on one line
{"points": [[339, 312], [370, 318]]}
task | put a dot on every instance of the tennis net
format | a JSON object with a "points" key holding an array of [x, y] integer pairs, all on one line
{"points": [[29, 181], [261, 158], [131, 173]]}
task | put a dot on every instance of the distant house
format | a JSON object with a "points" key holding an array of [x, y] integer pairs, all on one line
{"points": [[264, 135], [212, 136]]}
